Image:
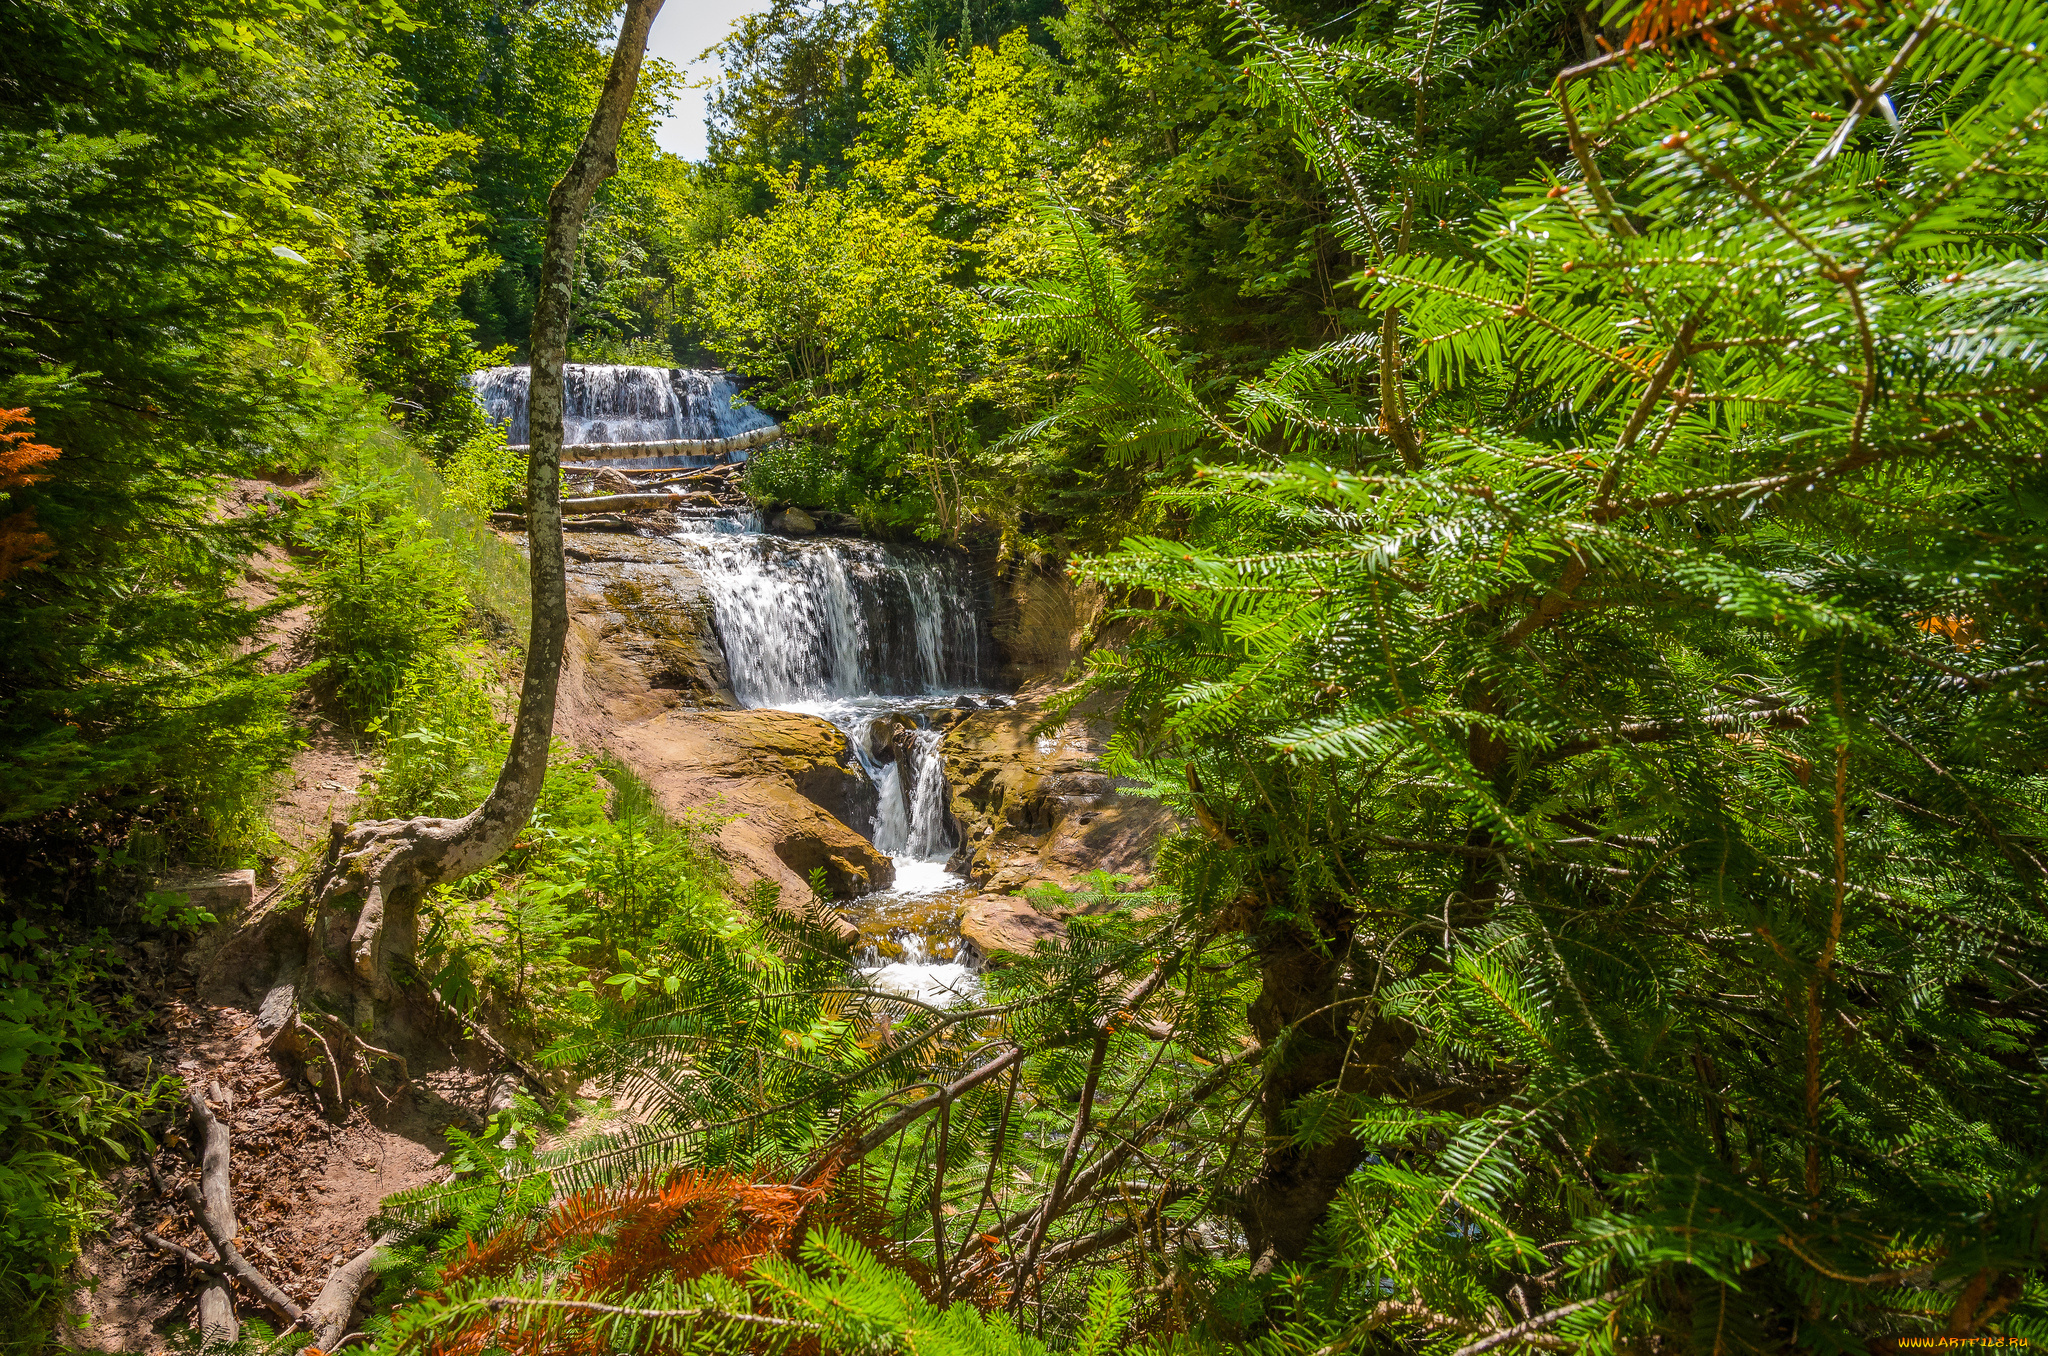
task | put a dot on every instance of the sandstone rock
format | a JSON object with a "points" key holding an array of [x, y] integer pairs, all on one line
{"points": [[641, 639], [842, 789], [1038, 807], [793, 522], [750, 769], [1044, 622], [221, 893], [1006, 925]]}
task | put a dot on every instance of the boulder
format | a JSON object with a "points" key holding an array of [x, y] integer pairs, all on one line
{"points": [[748, 771], [881, 739], [842, 789], [1038, 807], [1006, 925], [793, 522], [224, 894]]}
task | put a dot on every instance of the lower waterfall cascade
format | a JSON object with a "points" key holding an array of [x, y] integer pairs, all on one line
{"points": [[877, 639]]}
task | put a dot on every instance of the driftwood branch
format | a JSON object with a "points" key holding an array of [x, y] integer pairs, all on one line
{"points": [[606, 503], [684, 447], [212, 1201]]}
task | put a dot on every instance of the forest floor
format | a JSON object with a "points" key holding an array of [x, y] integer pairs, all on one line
{"points": [[305, 1188]]}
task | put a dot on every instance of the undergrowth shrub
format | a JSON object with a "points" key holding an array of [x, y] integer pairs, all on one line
{"points": [[404, 571], [583, 911], [485, 474], [443, 739], [62, 1120], [799, 471]]}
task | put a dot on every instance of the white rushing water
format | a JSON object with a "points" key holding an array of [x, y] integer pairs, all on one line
{"points": [[604, 404], [873, 638], [830, 619]]}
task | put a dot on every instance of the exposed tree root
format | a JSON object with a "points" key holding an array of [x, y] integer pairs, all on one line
{"points": [[329, 1313], [211, 1199], [338, 1060]]}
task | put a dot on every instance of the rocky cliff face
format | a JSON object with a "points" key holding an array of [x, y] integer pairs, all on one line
{"points": [[645, 679], [784, 785], [641, 639], [1044, 621], [1037, 809]]}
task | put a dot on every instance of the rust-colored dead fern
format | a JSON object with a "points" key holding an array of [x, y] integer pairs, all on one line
{"points": [[1662, 21], [23, 545], [610, 1243]]}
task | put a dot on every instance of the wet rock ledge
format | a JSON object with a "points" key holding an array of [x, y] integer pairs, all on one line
{"points": [[1038, 810]]}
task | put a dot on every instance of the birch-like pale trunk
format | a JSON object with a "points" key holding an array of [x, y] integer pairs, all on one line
{"points": [[392, 863]]}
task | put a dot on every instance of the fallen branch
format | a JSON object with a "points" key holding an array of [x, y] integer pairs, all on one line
{"points": [[212, 1201], [683, 447], [329, 1312], [517, 522], [184, 1254]]}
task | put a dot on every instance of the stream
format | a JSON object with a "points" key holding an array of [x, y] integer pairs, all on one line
{"points": [[883, 641]]}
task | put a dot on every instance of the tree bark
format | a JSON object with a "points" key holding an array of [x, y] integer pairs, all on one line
{"points": [[1306, 1035], [390, 864], [217, 1320]]}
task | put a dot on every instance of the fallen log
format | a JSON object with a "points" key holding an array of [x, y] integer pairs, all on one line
{"points": [[685, 447], [651, 499], [517, 522]]}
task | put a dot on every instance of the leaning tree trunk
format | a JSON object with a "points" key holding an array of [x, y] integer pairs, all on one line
{"points": [[377, 871]]}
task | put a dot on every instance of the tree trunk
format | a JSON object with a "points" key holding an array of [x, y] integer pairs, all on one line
{"points": [[390, 864], [1306, 1037]]}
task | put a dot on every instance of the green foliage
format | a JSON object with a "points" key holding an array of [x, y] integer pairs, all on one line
{"points": [[402, 571], [510, 92], [589, 907], [173, 911], [213, 239], [842, 302], [791, 93], [61, 1120], [1616, 664], [443, 740]]}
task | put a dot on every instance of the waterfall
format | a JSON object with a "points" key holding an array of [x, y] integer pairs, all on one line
{"points": [[607, 404], [929, 834], [831, 619], [854, 631], [876, 638], [912, 821]]}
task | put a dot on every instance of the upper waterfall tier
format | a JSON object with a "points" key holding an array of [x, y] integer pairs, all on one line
{"points": [[625, 404]]}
